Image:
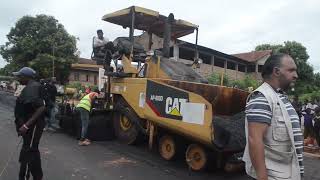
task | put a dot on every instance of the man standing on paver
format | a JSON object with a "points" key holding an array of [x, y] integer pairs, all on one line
{"points": [[29, 120], [274, 139]]}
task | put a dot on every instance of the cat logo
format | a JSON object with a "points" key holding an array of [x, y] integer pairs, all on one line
{"points": [[174, 106]]}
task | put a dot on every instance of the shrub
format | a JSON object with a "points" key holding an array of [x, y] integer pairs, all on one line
{"points": [[248, 81], [215, 78]]}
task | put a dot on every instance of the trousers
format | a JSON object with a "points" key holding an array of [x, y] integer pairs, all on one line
{"points": [[84, 117], [30, 160]]}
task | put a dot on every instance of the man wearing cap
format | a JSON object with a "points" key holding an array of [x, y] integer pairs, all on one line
{"points": [[99, 44], [29, 120], [84, 108]]}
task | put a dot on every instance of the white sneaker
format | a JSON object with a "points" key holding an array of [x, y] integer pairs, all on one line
{"points": [[82, 143], [51, 129], [87, 142]]}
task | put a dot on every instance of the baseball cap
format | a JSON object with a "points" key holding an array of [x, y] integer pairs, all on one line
{"points": [[26, 72]]}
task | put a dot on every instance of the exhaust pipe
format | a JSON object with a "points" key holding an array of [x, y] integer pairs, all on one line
{"points": [[167, 36]]}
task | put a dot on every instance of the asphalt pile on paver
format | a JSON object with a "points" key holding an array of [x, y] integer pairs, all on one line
{"points": [[230, 131]]}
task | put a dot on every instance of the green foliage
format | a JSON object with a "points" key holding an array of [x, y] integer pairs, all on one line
{"points": [[8, 69], [81, 87], [315, 95], [243, 84], [304, 87], [93, 87], [6, 78], [43, 65], [36, 41], [215, 78], [316, 79], [272, 47], [248, 81], [76, 85], [298, 52], [308, 82]]}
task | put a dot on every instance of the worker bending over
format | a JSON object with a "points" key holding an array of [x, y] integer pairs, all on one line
{"points": [[84, 108]]}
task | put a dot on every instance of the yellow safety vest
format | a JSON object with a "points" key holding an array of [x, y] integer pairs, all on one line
{"points": [[85, 103]]}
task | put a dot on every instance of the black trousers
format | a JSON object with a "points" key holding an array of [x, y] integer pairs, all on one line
{"points": [[30, 161], [317, 132]]}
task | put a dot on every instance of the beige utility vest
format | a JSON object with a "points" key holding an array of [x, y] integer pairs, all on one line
{"points": [[280, 155]]}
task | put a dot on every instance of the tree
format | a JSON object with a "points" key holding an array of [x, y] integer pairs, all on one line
{"points": [[298, 52], [36, 42], [317, 79], [8, 69], [305, 71], [272, 47]]}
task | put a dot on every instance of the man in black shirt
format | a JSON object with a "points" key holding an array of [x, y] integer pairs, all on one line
{"points": [[29, 120], [49, 92]]}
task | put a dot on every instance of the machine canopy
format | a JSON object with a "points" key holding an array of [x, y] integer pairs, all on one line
{"points": [[149, 21]]}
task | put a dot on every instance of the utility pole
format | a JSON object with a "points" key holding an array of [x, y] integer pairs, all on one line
{"points": [[53, 61]]}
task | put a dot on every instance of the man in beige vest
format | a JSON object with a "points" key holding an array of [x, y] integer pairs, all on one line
{"points": [[274, 149]]}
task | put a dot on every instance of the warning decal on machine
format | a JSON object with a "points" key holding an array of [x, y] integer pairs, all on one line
{"points": [[166, 101]]}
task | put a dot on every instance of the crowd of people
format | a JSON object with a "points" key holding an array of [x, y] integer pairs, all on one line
{"points": [[309, 114]]}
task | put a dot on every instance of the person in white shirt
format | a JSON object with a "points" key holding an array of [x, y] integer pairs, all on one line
{"points": [[99, 44], [314, 107], [311, 106]]}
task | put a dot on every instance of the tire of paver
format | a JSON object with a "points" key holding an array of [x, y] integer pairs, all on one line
{"points": [[168, 147], [196, 157], [126, 124]]}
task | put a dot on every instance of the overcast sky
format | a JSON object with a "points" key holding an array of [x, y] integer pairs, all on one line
{"points": [[227, 26]]}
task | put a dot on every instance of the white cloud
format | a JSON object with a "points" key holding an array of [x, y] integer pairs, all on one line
{"points": [[227, 26]]}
